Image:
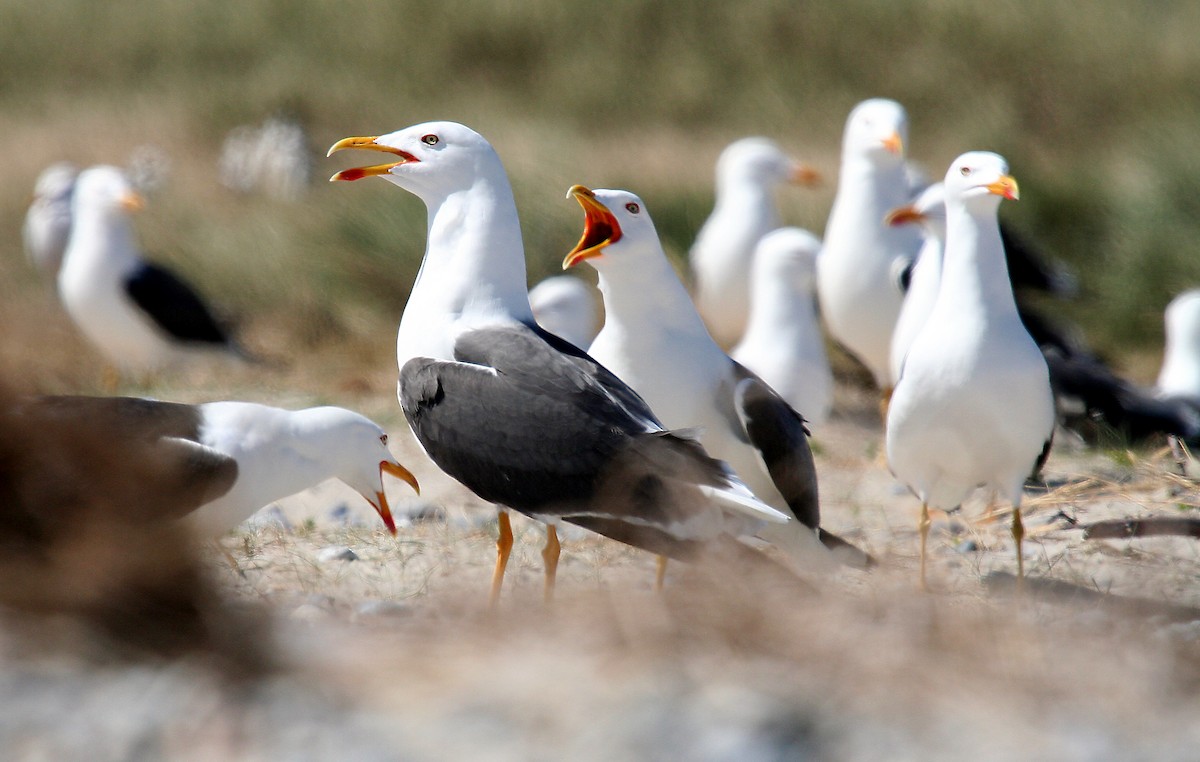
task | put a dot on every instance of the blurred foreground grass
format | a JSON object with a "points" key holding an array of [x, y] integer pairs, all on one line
{"points": [[1094, 106]]}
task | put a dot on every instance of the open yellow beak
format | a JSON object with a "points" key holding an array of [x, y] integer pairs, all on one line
{"points": [[367, 144], [1006, 187], [380, 503], [600, 227]]}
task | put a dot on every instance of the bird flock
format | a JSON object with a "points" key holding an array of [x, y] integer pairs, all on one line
{"points": [[674, 416]]}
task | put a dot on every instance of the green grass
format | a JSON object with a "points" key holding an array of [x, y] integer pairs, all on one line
{"points": [[1094, 107]]}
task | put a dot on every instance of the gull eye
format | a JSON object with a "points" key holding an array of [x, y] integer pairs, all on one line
{"points": [[965, 171], [633, 208], [383, 439], [430, 139]]}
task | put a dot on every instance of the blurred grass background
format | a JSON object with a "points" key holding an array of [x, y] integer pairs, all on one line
{"points": [[1096, 108]]}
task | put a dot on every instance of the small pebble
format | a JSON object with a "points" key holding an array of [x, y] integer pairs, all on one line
{"points": [[307, 612], [336, 553], [368, 610], [967, 546]]}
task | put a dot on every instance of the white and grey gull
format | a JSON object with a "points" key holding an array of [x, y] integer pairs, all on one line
{"points": [[522, 418], [654, 340], [138, 314], [212, 464]]}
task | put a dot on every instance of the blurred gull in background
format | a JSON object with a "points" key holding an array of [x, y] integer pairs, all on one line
{"points": [[139, 315], [748, 173], [568, 308], [273, 159], [783, 343]]}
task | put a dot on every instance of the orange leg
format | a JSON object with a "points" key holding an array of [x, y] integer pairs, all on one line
{"points": [[661, 574], [923, 525], [504, 545], [1018, 534], [550, 555]]}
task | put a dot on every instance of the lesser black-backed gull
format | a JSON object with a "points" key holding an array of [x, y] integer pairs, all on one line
{"points": [[655, 341], [522, 418], [139, 314]]}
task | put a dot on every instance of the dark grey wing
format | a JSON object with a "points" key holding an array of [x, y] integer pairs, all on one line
{"points": [[524, 445], [134, 459], [781, 438], [173, 305], [1031, 269], [125, 418], [523, 425], [529, 353], [1112, 405]]}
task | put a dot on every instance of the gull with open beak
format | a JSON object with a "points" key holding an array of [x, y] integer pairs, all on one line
{"points": [[519, 416], [655, 341], [212, 465]]}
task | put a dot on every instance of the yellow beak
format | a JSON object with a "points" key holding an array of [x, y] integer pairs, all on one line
{"points": [[894, 144], [367, 144], [600, 227], [1006, 187]]}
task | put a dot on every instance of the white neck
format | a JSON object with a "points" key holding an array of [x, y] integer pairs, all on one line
{"points": [[645, 291], [974, 271], [473, 271], [866, 192]]}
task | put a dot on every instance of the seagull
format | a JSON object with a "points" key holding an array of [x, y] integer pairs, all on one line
{"points": [[47, 225], [783, 343], [1090, 398], [973, 404], [212, 465], [855, 285], [138, 314], [654, 340], [566, 307], [520, 417], [748, 172]]}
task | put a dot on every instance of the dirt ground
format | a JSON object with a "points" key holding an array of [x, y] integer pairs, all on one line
{"points": [[395, 655]]}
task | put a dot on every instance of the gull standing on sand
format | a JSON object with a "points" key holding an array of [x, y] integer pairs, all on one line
{"points": [[520, 417], [568, 308], [655, 341], [138, 314], [973, 405], [925, 275], [860, 301]]}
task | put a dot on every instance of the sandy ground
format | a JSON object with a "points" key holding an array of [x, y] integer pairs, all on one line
{"points": [[394, 654]]}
